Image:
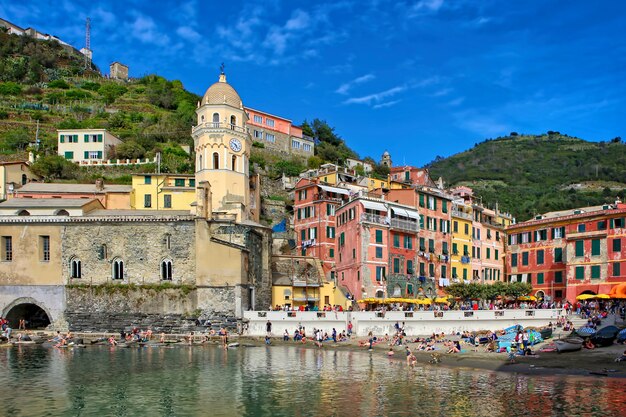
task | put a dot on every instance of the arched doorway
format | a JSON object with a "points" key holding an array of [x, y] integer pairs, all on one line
{"points": [[35, 316], [540, 295]]}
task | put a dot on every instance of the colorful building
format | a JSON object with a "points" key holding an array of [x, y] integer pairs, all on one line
{"points": [[86, 146], [377, 249], [315, 205], [14, 175], [163, 192], [567, 253], [112, 196], [279, 134], [462, 242]]}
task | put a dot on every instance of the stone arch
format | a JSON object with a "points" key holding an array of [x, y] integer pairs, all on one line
{"points": [[23, 213], [540, 295], [380, 293], [35, 313], [62, 212]]}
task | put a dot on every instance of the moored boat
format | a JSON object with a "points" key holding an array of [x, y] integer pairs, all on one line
{"points": [[546, 333], [569, 344], [605, 336]]}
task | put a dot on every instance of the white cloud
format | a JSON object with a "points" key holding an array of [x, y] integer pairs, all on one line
{"points": [[144, 29], [299, 20], [386, 104], [188, 33], [376, 97], [427, 6], [456, 102], [442, 92], [345, 87]]}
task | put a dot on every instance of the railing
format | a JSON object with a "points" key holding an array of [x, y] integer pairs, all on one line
{"points": [[118, 161], [461, 214], [325, 197], [374, 218], [218, 125], [404, 225]]}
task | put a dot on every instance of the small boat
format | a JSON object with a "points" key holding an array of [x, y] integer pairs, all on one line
{"points": [[233, 345], [569, 344], [586, 332], [621, 336], [546, 333], [605, 336]]}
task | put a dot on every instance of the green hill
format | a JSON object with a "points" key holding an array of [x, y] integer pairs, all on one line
{"points": [[531, 174]]}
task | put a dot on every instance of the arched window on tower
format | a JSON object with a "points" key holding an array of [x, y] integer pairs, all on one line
{"points": [[216, 120], [75, 268], [200, 163], [118, 269], [24, 179], [233, 122], [166, 270], [234, 163], [202, 118], [216, 160]]}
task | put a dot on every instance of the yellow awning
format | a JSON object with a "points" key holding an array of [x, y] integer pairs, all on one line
{"points": [[585, 296]]}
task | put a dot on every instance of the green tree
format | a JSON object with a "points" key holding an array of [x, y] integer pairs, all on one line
{"points": [[314, 162], [52, 167], [129, 150], [111, 91], [10, 89], [16, 139], [59, 84]]}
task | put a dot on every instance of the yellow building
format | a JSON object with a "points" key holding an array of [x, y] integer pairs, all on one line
{"points": [[300, 281], [461, 240], [163, 192], [12, 176], [222, 144]]}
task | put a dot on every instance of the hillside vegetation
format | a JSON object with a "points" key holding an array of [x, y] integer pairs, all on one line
{"points": [[532, 174]]}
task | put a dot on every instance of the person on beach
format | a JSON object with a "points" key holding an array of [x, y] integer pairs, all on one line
{"points": [[112, 341], [408, 355], [350, 329], [390, 352], [224, 337], [319, 338], [286, 336], [162, 338], [268, 328], [190, 338]]}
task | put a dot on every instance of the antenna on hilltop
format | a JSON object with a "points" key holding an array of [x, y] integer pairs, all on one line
{"points": [[87, 50]]}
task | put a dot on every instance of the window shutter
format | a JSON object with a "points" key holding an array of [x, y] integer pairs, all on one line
{"points": [[99, 138], [421, 200], [86, 137], [421, 221], [86, 155], [62, 140], [99, 154]]}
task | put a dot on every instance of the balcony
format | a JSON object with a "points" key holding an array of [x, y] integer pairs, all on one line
{"points": [[461, 214], [404, 225], [374, 218], [326, 197], [222, 126]]}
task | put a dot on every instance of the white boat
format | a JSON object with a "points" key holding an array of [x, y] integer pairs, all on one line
{"points": [[569, 344]]}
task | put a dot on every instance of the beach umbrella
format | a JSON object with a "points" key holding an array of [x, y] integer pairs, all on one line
{"points": [[441, 300], [603, 296], [585, 297]]}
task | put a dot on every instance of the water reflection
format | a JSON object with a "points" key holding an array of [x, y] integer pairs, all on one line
{"points": [[280, 381]]}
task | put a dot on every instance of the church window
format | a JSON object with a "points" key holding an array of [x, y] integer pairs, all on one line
{"points": [[234, 163], [75, 268], [233, 122], [216, 160], [166, 270], [118, 269], [216, 120], [200, 163]]}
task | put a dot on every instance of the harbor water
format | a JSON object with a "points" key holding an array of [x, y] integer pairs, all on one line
{"points": [[280, 381]]}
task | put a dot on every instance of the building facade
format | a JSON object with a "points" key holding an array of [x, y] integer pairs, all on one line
{"points": [[571, 252], [14, 175], [279, 134], [111, 196], [86, 146], [118, 71], [163, 192]]}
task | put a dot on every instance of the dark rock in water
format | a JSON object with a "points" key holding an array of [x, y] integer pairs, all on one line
{"points": [[26, 338]]}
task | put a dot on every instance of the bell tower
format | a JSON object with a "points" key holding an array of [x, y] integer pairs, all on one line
{"points": [[222, 145]]}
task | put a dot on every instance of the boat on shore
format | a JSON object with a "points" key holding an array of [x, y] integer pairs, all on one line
{"points": [[546, 333], [569, 344], [605, 336]]}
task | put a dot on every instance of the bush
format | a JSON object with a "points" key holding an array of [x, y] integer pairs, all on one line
{"points": [[10, 89], [54, 167], [77, 94], [59, 84], [4, 115], [91, 86], [290, 168], [130, 150], [111, 91], [256, 144]]}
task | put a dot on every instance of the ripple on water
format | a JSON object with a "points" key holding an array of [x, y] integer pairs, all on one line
{"points": [[281, 381]]}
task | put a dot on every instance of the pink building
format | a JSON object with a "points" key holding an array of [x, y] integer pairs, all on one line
{"points": [[377, 249], [278, 133], [315, 205]]}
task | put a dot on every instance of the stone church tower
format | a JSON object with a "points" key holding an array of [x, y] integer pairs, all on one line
{"points": [[386, 160], [222, 144]]}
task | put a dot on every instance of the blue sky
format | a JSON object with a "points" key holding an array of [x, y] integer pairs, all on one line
{"points": [[419, 78]]}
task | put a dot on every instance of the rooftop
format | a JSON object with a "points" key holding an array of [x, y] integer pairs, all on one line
{"points": [[46, 202], [41, 187]]}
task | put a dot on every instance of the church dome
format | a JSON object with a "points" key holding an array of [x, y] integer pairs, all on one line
{"points": [[386, 153], [222, 93]]}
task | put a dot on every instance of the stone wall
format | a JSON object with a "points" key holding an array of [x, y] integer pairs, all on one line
{"points": [[114, 308], [142, 246]]}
